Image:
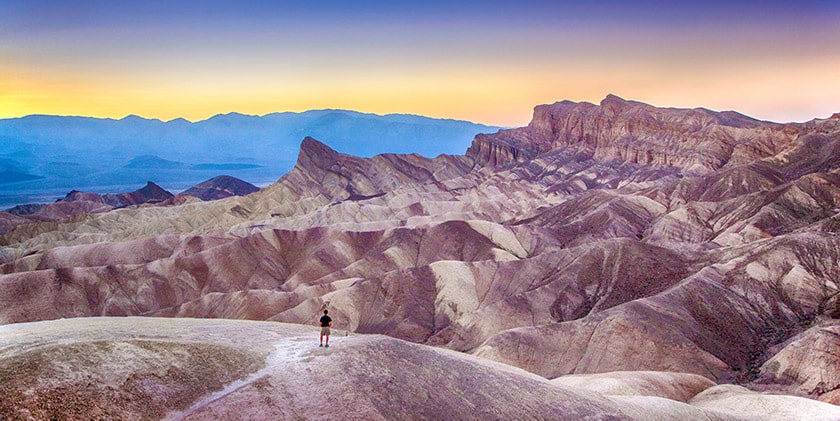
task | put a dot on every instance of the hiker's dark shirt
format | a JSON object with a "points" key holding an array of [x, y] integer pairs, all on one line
{"points": [[325, 321]]}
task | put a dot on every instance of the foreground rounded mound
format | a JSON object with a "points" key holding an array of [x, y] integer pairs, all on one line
{"points": [[144, 368], [195, 369]]}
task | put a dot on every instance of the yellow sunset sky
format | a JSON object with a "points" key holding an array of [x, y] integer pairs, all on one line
{"points": [[109, 59]]}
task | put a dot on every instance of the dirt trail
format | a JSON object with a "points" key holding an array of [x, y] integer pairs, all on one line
{"points": [[287, 350]]}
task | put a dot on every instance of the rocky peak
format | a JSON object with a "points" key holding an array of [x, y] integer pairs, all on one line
{"points": [[613, 104], [152, 190], [78, 196], [314, 154], [693, 140], [219, 188], [150, 193], [494, 151]]}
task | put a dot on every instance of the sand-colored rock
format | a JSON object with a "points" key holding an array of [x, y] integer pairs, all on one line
{"points": [[674, 386], [740, 401]]}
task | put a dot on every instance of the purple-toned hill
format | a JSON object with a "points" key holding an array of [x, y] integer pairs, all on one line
{"points": [[77, 202], [219, 188]]}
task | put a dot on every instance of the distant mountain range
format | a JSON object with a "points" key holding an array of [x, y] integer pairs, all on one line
{"points": [[43, 156]]}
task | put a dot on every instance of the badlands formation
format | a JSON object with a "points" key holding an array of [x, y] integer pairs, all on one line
{"points": [[77, 202], [611, 261]]}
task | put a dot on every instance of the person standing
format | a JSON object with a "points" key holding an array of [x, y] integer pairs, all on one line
{"points": [[326, 324]]}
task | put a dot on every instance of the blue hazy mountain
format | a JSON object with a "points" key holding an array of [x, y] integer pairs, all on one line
{"points": [[152, 161], [43, 156], [7, 176]]}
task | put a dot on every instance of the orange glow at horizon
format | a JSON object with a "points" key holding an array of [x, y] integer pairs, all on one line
{"points": [[491, 71], [496, 96]]}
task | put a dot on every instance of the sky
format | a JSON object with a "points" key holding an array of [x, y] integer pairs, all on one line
{"points": [[489, 62]]}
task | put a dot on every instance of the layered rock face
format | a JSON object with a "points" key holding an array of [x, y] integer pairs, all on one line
{"points": [[696, 141], [606, 238], [807, 363]]}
